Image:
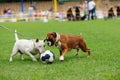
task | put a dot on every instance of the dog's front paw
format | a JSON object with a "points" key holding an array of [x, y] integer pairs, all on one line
{"points": [[35, 60], [10, 60], [61, 58]]}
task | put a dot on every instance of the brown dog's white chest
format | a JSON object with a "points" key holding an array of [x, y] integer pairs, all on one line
{"points": [[58, 44]]}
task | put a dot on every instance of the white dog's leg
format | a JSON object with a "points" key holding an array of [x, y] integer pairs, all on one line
{"points": [[14, 52], [33, 58], [21, 57]]}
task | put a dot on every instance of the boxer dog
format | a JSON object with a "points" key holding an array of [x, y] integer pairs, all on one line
{"points": [[66, 42], [29, 47]]}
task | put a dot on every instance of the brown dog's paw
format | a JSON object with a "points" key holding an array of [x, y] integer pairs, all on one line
{"points": [[61, 58]]}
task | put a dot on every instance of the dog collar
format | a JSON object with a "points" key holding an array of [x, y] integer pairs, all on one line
{"points": [[58, 37]]}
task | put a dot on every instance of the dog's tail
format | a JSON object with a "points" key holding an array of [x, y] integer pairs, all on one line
{"points": [[16, 36]]}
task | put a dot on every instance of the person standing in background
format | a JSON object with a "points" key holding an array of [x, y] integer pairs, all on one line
{"points": [[30, 11], [5, 12], [91, 10], [85, 10], [9, 12]]}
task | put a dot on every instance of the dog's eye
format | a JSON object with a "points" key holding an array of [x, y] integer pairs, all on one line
{"points": [[39, 46]]}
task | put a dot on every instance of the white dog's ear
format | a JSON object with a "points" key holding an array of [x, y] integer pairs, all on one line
{"points": [[44, 40], [37, 40]]}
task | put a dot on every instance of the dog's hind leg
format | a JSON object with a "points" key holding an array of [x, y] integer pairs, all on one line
{"points": [[77, 52], [84, 48], [88, 50], [21, 55], [14, 52]]}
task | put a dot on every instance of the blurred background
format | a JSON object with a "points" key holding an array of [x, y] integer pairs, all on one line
{"points": [[31, 10]]}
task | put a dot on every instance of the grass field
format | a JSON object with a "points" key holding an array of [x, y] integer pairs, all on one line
{"points": [[102, 37]]}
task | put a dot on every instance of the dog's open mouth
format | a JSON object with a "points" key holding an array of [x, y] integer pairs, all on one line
{"points": [[49, 43]]}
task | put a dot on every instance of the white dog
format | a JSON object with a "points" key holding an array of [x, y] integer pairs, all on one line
{"points": [[29, 47]]}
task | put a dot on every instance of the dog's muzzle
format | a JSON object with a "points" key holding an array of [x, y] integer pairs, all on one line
{"points": [[50, 42]]}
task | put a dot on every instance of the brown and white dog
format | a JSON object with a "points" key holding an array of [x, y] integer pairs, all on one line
{"points": [[66, 42]]}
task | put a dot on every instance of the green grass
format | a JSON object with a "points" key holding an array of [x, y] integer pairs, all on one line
{"points": [[102, 37]]}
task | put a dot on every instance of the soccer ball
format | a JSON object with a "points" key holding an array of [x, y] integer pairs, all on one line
{"points": [[47, 57]]}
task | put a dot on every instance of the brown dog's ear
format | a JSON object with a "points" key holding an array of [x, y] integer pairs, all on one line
{"points": [[37, 40], [54, 34]]}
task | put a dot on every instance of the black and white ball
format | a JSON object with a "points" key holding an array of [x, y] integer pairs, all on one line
{"points": [[47, 57]]}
